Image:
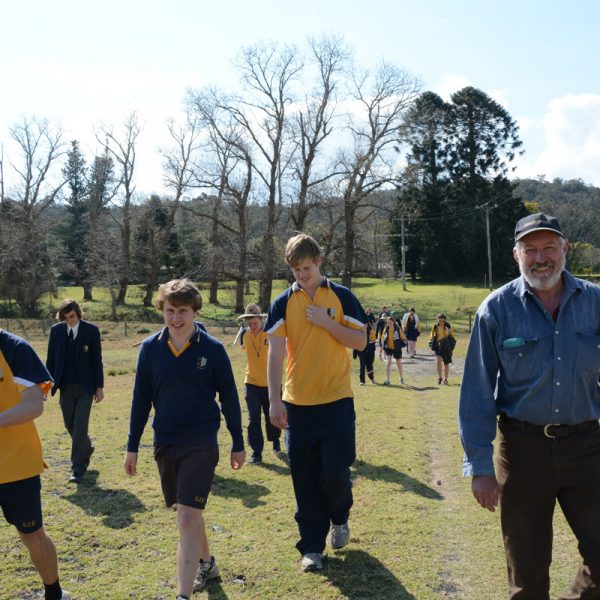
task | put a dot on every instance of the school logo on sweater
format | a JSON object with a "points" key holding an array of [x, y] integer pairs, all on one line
{"points": [[201, 362]]}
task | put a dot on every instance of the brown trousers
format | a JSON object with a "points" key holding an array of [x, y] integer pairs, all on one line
{"points": [[534, 472]]}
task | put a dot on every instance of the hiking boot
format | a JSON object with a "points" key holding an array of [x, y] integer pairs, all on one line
{"points": [[207, 570], [339, 536], [313, 561], [255, 459]]}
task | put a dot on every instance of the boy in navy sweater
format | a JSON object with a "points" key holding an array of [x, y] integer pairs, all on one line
{"points": [[179, 372]]}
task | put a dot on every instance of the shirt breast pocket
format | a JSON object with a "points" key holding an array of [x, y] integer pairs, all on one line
{"points": [[588, 353], [520, 364]]}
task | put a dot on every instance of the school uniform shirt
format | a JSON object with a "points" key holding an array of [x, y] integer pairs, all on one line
{"points": [[257, 351], [20, 446], [318, 367], [182, 387]]}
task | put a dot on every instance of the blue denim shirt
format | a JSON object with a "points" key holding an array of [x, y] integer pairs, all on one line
{"points": [[550, 375]]}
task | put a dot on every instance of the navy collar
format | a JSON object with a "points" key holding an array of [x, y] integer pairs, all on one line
{"points": [[164, 334]]}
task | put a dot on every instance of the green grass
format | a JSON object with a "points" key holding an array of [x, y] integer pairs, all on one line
{"points": [[416, 532]]}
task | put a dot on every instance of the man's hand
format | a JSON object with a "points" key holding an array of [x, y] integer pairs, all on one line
{"points": [[237, 459], [99, 395], [130, 463], [485, 490], [278, 413]]}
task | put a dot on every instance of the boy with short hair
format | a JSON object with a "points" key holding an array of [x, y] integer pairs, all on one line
{"points": [[255, 342], [24, 380], [319, 319], [179, 372]]}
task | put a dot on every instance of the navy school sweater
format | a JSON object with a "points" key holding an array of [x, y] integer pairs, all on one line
{"points": [[183, 391]]}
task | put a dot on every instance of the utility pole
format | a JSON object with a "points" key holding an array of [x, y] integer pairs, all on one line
{"points": [[489, 245], [403, 250]]}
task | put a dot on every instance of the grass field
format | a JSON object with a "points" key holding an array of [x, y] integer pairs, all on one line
{"points": [[416, 532]]}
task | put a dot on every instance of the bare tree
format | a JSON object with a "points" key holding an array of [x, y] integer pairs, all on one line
{"points": [[230, 175], [268, 72], [179, 169], [380, 100], [313, 122], [121, 147], [37, 184]]}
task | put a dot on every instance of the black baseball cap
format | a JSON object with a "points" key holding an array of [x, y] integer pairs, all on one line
{"points": [[536, 222]]}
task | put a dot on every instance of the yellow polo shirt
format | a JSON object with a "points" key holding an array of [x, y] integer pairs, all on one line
{"points": [[318, 367], [257, 351], [20, 446]]}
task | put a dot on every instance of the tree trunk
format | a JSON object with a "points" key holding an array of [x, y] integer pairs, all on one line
{"points": [[349, 236], [87, 291]]}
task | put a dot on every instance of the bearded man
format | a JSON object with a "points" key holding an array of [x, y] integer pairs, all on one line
{"points": [[532, 373]]}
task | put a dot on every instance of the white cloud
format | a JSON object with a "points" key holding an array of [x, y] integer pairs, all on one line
{"points": [[571, 147]]}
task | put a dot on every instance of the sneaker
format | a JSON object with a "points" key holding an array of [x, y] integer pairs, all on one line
{"points": [[255, 459], [180, 597], [439, 380], [401, 380], [445, 382], [276, 446], [313, 561], [339, 536], [386, 382], [207, 570], [65, 596], [362, 383]]}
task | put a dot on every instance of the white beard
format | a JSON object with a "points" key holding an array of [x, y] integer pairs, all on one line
{"points": [[546, 281]]}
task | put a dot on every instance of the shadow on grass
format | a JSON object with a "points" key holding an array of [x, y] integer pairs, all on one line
{"points": [[390, 475], [280, 469], [360, 576], [214, 590], [117, 506], [249, 493]]}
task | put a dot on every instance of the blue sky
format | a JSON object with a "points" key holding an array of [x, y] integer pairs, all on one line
{"points": [[82, 63]]}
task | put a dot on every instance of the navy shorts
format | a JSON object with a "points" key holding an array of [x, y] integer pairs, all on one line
{"points": [[395, 352], [186, 473], [21, 503]]}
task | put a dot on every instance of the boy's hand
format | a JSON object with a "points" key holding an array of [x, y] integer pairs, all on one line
{"points": [[278, 414], [237, 459], [317, 315], [130, 463]]}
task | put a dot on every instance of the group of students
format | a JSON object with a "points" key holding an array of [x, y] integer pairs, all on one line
{"points": [[180, 372], [392, 336]]}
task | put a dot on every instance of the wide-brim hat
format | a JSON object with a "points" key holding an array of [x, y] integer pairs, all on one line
{"points": [[252, 310]]}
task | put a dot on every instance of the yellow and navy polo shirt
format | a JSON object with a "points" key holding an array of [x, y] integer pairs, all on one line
{"points": [[318, 367], [20, 446], [442, 332], [257, 351]]}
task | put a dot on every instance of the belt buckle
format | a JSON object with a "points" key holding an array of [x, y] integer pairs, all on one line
{"points": [[547, 433]]}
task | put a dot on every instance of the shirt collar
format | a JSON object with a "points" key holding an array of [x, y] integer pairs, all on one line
{"points": [[296, 287], [164, 334], [75, 329]]}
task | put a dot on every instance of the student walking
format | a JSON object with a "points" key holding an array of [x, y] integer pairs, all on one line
{"points": [[442, 342], [367, 356], [392, 342], [24, 381], [411, 325], [180, 371], [319, 319], [255, 342], [75, 363]]}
